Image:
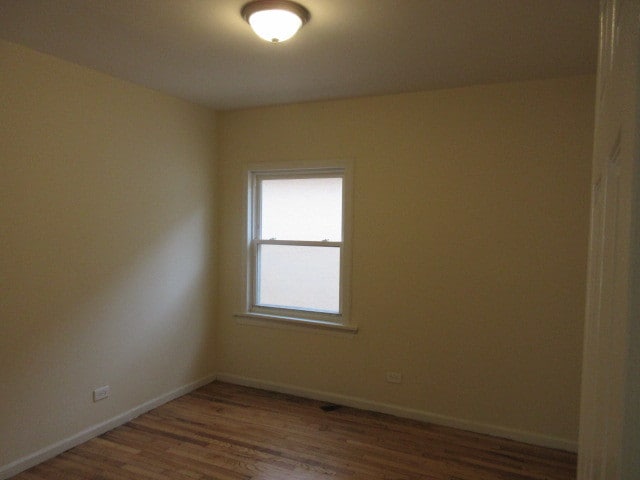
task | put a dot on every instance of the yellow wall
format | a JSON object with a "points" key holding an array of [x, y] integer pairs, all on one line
{"points": [[105, 247], [469, 252]]}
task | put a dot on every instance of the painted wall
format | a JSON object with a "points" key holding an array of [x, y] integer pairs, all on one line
{"points": [[469, 249], [469, 252], [105, 247]]}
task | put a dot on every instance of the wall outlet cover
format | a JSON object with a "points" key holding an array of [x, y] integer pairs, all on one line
{"points": [[101, 393]]}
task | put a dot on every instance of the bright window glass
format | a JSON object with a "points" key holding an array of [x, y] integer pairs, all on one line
{"points": [[299, 277], [301, 209]]}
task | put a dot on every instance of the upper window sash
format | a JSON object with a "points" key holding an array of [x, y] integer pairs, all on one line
{"points": [[256, 194]]}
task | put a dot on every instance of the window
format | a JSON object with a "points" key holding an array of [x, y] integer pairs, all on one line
{"points": [[297, 244]]}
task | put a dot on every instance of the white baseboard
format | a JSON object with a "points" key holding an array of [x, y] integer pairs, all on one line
{"points": [[423, 416], [50, 451]]}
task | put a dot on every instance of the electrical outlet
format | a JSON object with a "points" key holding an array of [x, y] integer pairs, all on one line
{"points": [[394, 377], [101, 393]]}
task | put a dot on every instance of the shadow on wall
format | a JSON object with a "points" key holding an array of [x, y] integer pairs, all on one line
{"points": [[152, 301], [143, 326], [105, 247]]}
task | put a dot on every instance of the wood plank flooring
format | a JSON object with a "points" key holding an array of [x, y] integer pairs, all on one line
{"points": [[227, 432]]}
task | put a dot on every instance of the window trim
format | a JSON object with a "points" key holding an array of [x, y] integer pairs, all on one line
{"points": [[311, 318]]}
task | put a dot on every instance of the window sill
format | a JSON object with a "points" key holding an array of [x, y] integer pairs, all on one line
{"points": [[260, 319]]}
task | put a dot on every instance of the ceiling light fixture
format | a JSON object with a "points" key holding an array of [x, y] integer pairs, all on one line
{"points": [[275, 20]]}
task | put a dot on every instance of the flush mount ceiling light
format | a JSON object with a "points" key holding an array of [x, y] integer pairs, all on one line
{"points": [[275, 20]]}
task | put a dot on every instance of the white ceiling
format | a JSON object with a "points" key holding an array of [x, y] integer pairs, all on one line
{"points": [[202, 50]]}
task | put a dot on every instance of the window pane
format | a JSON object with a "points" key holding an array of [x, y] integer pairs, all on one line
{"points": [[299, 277], [301, 209]]}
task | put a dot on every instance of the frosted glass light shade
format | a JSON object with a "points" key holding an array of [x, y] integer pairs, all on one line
{"points": [[275, 20], [275, 25]]}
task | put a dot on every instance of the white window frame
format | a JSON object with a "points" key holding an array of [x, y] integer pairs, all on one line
{"points": [[298, 316]]}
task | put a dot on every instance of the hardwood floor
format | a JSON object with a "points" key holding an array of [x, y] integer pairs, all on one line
{"points": [[227, 432]]}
